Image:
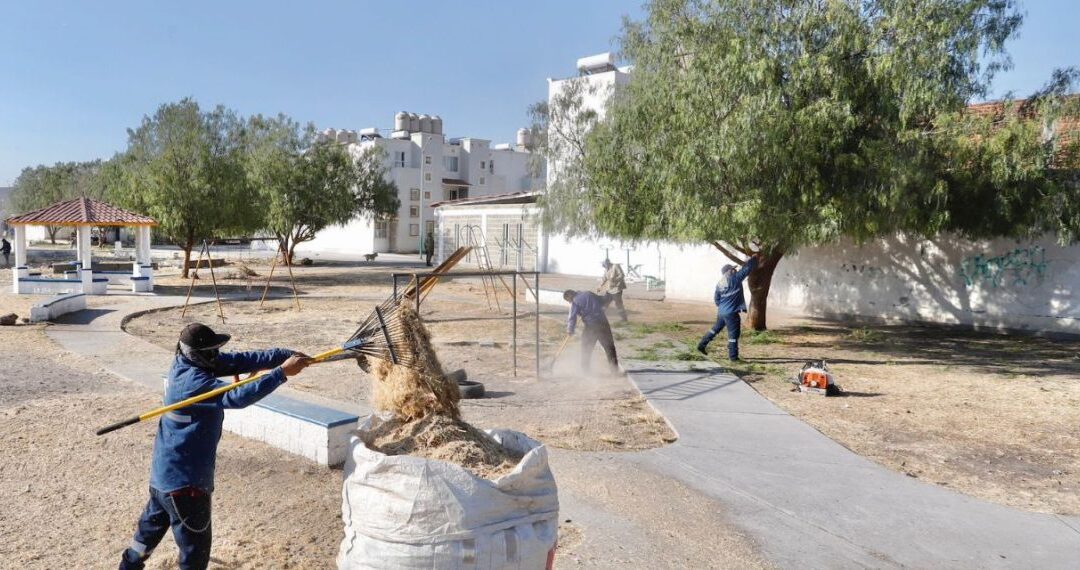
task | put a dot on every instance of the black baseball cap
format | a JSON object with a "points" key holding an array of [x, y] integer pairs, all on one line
{"points": [[200, 337]]}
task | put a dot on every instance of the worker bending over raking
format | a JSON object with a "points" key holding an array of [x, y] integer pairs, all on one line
{"points": [[182, 466], [590, 308], [729, 301]]}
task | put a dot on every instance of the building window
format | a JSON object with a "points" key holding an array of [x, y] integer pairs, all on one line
{"points": [[414, 230], [399, 159], [429, 227], [491, 167], [380, 229], [457, 193], [427, 177], [414, 211], [483, 165], [482, 181], [427, 195], [427, 159], [451, 163], [414, 194]]}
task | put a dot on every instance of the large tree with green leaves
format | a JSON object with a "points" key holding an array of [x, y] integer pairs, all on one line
{"points": [[184, 167], [305, 185], [768, 125]]}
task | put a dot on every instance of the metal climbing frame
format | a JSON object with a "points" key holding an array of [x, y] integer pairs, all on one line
{"points": [[411, 294]]}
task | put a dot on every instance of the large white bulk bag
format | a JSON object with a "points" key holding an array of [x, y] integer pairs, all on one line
{"points": [[409, 512]]}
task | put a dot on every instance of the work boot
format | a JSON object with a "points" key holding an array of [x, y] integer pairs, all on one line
{"points": [[701, 348]]}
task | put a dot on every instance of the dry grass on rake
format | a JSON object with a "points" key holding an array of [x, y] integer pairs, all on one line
{"points": [[426, 419]]}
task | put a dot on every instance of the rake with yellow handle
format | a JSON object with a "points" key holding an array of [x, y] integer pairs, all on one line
{"points": [[381, 335]]}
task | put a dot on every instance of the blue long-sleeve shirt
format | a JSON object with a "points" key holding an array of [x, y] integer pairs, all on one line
{"points": [[588, 306], [185, 449], [728, 295]]}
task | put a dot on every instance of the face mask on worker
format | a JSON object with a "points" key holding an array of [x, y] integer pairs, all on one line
{"points": [[205, 358]]}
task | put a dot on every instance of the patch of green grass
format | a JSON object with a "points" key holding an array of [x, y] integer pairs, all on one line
{"points": [[866, 335], [648, 353], [689, 356], [762, 337], [664, 344], [643, 329]]}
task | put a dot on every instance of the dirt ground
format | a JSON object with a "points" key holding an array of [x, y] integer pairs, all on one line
{"points": [[565, 408], [993, 416], [59, 483]]}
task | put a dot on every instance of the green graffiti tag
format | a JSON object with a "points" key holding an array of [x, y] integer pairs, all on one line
{"points": [[1017, 268]]}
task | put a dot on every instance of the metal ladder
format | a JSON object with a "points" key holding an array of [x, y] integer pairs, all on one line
{"points": [[483, 261]]}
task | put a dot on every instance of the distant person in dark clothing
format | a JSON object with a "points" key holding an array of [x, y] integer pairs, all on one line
{"points": [[612, 287], [590, 308], [429, 247], [5, 248], [729, 301]]}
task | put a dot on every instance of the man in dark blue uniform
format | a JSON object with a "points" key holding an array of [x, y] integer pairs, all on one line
{"points": [[729, 301], [185, 449], [590, 307]]}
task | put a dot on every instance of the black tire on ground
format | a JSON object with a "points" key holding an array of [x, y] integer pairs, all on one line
{"points": [[470, 390]]}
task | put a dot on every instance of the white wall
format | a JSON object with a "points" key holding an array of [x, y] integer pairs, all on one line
{"points": [[356, 238], [995, 283], [582, 256]]}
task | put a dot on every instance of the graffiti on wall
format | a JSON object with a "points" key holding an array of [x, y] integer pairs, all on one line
{"points": [[1018, 268]]}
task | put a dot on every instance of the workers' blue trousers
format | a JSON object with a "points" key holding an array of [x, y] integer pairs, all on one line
{"points": [[188, 513], [734, 328]]}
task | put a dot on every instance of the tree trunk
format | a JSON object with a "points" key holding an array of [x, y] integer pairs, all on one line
{"points": [[187, 259], [760, 279], [52, 231], [283, 249]]}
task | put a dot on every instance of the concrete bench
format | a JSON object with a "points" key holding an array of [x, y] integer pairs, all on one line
{"points": [[46, 286], [316, 432], [53, 308]]}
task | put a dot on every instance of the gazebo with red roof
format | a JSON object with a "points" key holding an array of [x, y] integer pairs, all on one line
{"points": [[82, 214]]}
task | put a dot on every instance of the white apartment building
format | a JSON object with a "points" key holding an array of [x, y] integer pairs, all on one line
{"points": [[427, 168], [598, 77]]}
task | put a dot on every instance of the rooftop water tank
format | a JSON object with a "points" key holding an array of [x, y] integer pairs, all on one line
{"points": [[401, 121], [436, 125], [372, 132], [414, 122], [598, 63], [425, 123], [524, 138]]}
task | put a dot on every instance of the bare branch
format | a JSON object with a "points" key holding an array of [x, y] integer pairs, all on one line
{"points": [[727, 252]]}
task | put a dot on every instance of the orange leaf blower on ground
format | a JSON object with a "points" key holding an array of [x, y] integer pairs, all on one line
{"points": [[816, 379]]}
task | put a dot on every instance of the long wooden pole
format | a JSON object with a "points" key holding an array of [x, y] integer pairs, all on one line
{"points": [[191, 286], [266, 289]]}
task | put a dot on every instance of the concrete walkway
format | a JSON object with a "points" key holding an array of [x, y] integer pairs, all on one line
{"points": [[96, 333], [812, 503]]}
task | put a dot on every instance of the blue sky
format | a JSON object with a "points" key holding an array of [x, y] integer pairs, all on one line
{"points": [[75, 75]]}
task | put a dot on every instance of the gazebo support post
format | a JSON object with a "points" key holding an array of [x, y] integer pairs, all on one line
{"points": [[20, 271], [143, 265], [86, 270]]}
